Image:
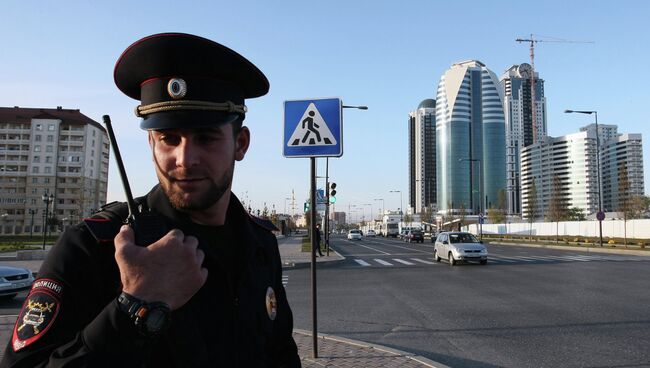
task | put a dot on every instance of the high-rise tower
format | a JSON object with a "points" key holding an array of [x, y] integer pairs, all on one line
{"points": [[470, 139], [422, 156], [515, 85]]}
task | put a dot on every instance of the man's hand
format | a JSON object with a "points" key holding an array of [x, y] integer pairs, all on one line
{"points": [[168, 270]]}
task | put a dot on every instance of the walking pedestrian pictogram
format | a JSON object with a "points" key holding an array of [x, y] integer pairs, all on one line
{"points": [[312, 130]]}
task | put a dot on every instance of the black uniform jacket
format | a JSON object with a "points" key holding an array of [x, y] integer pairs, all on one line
{"points": [[72, 319]]}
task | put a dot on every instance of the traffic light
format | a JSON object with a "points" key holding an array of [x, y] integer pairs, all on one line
{"points": [[332, 192], [306, 207]]}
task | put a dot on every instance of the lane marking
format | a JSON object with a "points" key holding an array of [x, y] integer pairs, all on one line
{"points": [[423, 261], [376, 250], [362, 262], [382, 262], [403, 261]]}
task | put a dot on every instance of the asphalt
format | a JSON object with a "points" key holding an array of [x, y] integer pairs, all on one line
{"points": [[333, 351]]}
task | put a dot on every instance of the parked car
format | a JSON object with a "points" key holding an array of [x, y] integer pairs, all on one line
{"points": [[354, 234], [14, 280], [371, 234], [459, 247], [414, 236]]}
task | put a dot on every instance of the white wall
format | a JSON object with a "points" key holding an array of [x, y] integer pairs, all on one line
{"points": [[639, 229]]}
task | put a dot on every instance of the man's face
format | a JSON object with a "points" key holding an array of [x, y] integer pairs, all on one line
{"points": [[195, 166]]}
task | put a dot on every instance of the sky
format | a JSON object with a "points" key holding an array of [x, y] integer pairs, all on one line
{"points": [[387, 55]]}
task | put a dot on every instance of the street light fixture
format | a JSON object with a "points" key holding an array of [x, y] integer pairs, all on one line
{"points": [[382, 206], [31, 226], [600, 215], [47, 200], [364, 211]]}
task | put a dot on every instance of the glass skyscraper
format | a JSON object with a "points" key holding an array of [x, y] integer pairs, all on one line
{"points": [[470, 139], [422, 157], [515, 85]]}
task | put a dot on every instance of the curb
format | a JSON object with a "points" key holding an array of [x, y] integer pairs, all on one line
{"points": [[582, 249], [327, 263], [422, 360]]}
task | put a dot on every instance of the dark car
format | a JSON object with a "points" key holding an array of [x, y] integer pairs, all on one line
{"points": [[14, 280], [414, 236]]}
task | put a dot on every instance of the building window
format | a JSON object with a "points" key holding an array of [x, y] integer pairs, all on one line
{"points": [[48, 170], [37, 148], [35, 170], [48, 159], [37, 138], [50, 138], [37, 159], [39, 127], [46, 180], [34, 180], [50, 127], [49, 149]]}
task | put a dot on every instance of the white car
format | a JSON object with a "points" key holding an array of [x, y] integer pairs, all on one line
{"points": [[459, 247], [14, 280], [354, 234], [371, 233]]}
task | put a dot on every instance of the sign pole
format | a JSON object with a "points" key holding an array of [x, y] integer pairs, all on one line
{"points": [[314, 328]]}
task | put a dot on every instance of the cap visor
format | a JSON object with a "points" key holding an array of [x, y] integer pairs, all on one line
{"points": [[187, 120]]}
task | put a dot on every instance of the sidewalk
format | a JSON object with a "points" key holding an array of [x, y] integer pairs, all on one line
{"points": [[293, 256], [333, 351]]}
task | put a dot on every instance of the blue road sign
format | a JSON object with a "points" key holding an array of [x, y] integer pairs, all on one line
{"points": [[313, 128]]}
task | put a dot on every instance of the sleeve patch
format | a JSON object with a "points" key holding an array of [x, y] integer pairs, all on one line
{"points": [[38, 314]]}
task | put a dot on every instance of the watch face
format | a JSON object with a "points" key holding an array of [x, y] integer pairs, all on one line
{"points": [[157, 320]]}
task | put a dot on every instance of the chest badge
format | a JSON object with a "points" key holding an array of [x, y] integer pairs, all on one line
{"points": [[271, 304]]}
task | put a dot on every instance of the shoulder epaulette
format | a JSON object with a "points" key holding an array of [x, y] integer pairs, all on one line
{"points": [[106, 223]]}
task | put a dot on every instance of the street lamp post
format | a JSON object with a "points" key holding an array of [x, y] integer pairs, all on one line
{"points": [[47, 200], [600, 215], [382, 206], [401, 210], [364, 211], [480, 193], [31, 226]]}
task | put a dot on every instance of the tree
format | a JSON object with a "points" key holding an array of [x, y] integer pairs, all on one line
{"points": [[461, 214], [576, 214], [426, 215], [558, 206], [498, 212], [408, 218], [531, 209], [640, 205]]}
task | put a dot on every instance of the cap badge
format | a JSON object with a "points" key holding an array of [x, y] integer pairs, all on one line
{"points": [[271, 304], [177, 88]]}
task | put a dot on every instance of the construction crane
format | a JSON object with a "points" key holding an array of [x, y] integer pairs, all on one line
{"points": [[533, 40]]}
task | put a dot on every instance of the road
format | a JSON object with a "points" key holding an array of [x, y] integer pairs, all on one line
{"points": [[529, 307]]}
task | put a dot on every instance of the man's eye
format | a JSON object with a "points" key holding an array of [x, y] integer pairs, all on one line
{"points": [[170, 140], [207, 139]]}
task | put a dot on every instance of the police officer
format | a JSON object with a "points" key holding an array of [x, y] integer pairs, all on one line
{"points": [[209, 292]]}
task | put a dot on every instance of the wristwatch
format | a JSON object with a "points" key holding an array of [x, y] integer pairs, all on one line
{"points": [[150, 318]]}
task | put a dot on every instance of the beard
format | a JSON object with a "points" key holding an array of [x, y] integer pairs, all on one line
{"points": [[198, 200]]}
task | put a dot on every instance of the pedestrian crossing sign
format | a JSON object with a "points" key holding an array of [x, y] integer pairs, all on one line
{"points": [[313, 128]]}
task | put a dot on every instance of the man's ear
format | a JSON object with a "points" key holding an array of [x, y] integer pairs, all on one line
{"points": [[242, 141]]}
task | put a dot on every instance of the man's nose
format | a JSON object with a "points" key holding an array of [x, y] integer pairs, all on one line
{"points": [[187, 155]]}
